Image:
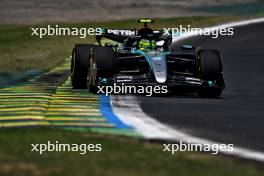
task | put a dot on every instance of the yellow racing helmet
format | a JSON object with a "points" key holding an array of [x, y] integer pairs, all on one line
{"points": [[145, 44]]}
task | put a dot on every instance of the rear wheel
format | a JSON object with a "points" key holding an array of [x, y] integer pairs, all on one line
{"points": [[210, 69], [102, 66], [81, 55]]}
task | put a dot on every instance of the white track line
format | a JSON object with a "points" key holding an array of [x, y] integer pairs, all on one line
{"points": [[127, 108], [228, 25]]}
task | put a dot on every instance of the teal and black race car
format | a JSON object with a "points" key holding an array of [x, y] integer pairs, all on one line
{"points": [[145, 57]]}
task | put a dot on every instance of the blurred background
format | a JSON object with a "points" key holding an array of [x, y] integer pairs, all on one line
{"points": [[32, 11]]}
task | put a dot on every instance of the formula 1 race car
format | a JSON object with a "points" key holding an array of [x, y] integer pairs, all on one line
{"points": [[145, 57]]}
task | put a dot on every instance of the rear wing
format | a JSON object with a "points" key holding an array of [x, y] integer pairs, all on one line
{"points": [[121, 35], [117, 35], [121, 32], [127, 32]]}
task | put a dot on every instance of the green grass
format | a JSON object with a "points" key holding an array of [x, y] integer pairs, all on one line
{"points": [[120, 156]]}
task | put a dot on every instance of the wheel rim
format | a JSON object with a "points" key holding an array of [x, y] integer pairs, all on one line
{"points": [[92, 74]]}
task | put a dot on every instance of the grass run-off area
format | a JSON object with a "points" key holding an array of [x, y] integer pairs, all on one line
{"points": [[119, 157], [21, 52]]}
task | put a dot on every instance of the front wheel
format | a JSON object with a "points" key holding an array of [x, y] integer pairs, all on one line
{"points": [[210, 69]]}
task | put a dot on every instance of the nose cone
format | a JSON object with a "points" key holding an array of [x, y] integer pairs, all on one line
{"points": [[159, 67]]}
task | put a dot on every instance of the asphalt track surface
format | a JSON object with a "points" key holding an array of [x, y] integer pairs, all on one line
{"points": [[236, 117]]}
